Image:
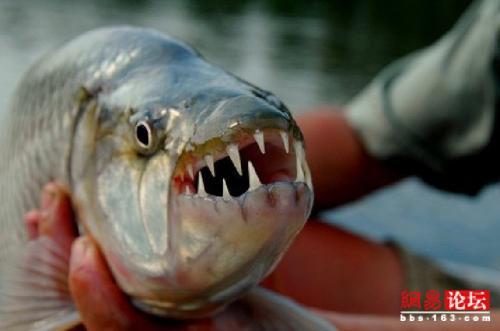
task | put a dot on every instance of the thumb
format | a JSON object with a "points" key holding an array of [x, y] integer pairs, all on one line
{"points": [[99, 300]]}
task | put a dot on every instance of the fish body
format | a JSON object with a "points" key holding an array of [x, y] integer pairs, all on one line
{"points": [[192, 181]]}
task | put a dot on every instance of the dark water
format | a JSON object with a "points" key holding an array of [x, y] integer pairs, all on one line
{"points": [[309, 53]]}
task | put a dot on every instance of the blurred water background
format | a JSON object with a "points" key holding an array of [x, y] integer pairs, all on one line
{"points": [[309, 53]]}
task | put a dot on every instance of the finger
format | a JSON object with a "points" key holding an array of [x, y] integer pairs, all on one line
{"points": [[31, 222], [56, 216], [99, 300]]}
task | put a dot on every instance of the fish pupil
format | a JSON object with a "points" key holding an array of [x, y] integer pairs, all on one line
{"points": [[143, 134]]}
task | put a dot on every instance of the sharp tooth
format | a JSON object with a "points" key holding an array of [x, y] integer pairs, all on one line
{"points": [[234, 155], [300, 173], [259, 138], [254, 181], [209, 159], [299, 156], [188, 190], [190, 171], [201, 186], [284, 137], [225, 191], [299, 150], [308, 176]]}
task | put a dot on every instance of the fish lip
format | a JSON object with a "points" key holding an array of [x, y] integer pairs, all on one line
{"points": [[176, 311]]}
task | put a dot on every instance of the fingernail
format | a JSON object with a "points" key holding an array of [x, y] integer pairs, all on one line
{"points": [[49, 195], [80, 251]]}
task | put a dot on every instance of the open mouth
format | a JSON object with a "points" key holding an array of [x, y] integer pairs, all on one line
{"points": [[247, 162], [238, 202]]}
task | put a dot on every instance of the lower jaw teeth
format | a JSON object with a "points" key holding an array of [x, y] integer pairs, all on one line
{"points": [[253, 179], [253, 183], [225, 191], [269, 196]]}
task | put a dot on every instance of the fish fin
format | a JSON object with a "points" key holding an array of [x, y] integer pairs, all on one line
{"points": [[34, 292], [263, 310]]}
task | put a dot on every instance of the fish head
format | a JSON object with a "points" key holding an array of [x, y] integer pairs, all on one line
{"points": [[193, 199]]}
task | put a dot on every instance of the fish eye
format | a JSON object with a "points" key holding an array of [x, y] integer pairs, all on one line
{"points": [[144, 135]]}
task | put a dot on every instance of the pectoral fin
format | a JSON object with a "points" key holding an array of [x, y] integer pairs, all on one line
{"points": [[34, 293]]}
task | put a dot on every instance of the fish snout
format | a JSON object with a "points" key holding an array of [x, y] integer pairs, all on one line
{"points": [[242, 113]]}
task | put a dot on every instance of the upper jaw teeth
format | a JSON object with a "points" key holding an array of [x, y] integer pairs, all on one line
{"points": [[259, 139], [299, 153], [284, 138], [190, 171], [302, 172], [209, 159], [234, 155]]}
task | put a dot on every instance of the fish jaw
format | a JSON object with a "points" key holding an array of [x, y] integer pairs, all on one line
{"points": [[222, 242]]}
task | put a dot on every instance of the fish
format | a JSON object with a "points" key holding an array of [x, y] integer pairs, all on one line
{"points": [[192, 181]]}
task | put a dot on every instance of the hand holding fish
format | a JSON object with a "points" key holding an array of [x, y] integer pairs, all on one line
{"points": [[100, 302]]}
